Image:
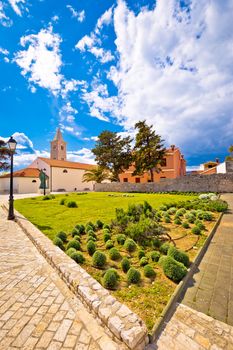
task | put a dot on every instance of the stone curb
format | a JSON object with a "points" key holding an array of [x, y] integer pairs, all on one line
{"points": [[171, 305], [118, 318]]}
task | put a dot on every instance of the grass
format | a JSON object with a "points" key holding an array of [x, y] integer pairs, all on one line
{"points": [[51, 217]]}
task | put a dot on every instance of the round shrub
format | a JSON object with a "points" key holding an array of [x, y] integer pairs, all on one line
{"points": [[106, 226], [133, 275], [109, 244], [180, 212], [99, 259], [177, 221], [155, 256], [77, 238], [163, 208], [90, 223], [172, 210], [178, 255], [173, 269], [88, 228], [185, 225], [207, 216], [62, 235], [149, 271], [167, 220], [196, 230], [130, 245], [58, 242], [107, 237], [74, 232], [143, 261], [73, 244], [78, 257], [106, 230], [125, 264], [72, 204], [164, 247], [92, 234], [121, 239], [99, 224], [110, 279], [62, 201], [156, 243], [91, 248], [191, 219], [199, 224], [91, 238], [114, 254], [70, 251], [141, 253], [81, 229]]}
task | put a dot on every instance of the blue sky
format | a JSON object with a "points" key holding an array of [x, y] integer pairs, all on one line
{"points": [[90, 65]]}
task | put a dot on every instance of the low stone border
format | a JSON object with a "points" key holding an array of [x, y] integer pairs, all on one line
{"points": [[176, 296], [118, 318]]}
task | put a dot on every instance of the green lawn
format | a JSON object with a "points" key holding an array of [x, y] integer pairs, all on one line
{"points": [[51, 217]]}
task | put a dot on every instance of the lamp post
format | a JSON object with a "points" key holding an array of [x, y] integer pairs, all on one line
{"points": [[12, 147], [44, 170]]}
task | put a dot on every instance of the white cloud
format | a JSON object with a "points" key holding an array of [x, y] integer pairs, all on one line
{"points": [[4, 19], [4, 51], [83, 156], [18, 6], [175, 71], [79, 15], [55, 18], [105, 19]]}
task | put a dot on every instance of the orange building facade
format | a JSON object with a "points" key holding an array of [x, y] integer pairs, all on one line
{"points": [[173, 166]]}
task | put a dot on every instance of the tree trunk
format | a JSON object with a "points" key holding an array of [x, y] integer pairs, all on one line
{"points": [[151, 175]]}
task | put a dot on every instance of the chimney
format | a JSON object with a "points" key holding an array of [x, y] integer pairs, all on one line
{"points": [[173, 147], [217, 160]]}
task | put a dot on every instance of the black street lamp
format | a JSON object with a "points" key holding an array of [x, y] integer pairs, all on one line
{"points": [[12, 147], [44, 170]]}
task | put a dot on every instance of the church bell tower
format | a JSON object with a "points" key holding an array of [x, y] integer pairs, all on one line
{"points": [[58, 147]]}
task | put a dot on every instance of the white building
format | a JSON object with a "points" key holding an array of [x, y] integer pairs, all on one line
{"points": [[62, 174]]}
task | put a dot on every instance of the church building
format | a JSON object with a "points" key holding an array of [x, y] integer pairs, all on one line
{"points": [[62, 175]]}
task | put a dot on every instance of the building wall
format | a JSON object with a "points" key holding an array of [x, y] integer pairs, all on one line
{"points": [[69, 180], [221, 168], [20, 185]]}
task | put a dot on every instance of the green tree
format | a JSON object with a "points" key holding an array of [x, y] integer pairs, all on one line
{"points": [[4, 156], [230, 150], [97, 174], [113, 153], [148, 151]]}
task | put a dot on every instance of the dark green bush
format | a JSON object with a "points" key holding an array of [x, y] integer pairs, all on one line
{"points": [[114, 254], [196, 230], [173, 269], [73, 244], [149, 271], [155, 256], [180, 212], [141, 253], [91, 238], [121, 239], [163, 208], [91, 248], [143, 261], [107, 237], [207, 216], [130, 245], [185, 225], [90, 223], [164, 247], [178, 255], [70, 251], [167, 220], [177, 221], [62, 235], [99, 224], [48, 197], [78, 257], [72, 204], [106, 226], [62, 201], [88, 228], [125, 264], [81, 229], [156, 243], [77, 237], [58, 242], [92, 234], [133, 275], [99, 259], [74, 232], [172, 210], [199, 224], [109, 244], [110, 279]]}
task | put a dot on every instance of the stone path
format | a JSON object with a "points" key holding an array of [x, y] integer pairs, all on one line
{"points": [[37, 310]]}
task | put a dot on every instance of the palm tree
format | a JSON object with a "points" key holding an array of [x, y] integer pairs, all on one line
{"points": [[230, 157], [4, 156], [97, 175]]}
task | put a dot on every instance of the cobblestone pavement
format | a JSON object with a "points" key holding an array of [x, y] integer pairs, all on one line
{"points": [[211, 289], [37, 310]]}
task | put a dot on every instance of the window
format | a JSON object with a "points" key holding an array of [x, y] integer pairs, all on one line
{"points": [[137, 180], [164, 162], [65, 171], [125, 179], [162, 177], [33, 180], [62, 148]]}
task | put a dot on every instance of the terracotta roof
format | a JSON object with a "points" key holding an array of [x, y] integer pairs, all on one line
{"points": [[27, 172], [67, 164]]}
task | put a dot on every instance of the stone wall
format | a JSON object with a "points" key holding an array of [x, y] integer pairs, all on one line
{"points": [[196, 183]]}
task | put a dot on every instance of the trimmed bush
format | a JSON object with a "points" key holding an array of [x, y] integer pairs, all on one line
{"points": [[180, 212], [107, 237], [82, 229], [149, 271], [130, 245], [156, 243], [178, 255], [77, 238], [125, 264], [164, 247], [207, 216], [109, 244], [106, 226], [99, 259], [155, 256], [185, 225], [74, 232], [172, 210], [199, 224], [114, 254], [177, 221], [133, 275], [106, 230], [58, 242], [91, 247], [62, 235], [88, 228], [73, 244], [99, 224], [92, 234], [141, 253], [72, 204], [173, 269], [91, 238], [143, 261], [110, 279], [163, 208], [62, 201], [196, 230], [70, 251], [121, 239], [167, 220], [77, 257], [90, 223]]}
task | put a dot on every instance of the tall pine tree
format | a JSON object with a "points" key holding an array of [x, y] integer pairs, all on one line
{"points": [[4, 156], [148, 151]]}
